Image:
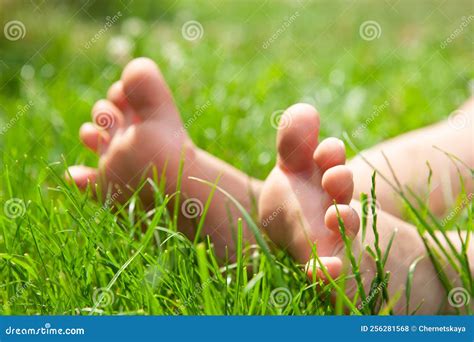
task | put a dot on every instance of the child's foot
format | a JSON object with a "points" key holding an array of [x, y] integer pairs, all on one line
{"points": [[296, 204], [139, 126]]}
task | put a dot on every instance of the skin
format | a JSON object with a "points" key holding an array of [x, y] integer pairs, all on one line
{"points": [[301, 189], [147, 131], [422, 146]]}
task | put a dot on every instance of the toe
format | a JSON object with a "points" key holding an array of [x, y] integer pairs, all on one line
{"points": [[338, 182], [94, 138], [107, 116], [297, 137], [333, 266], [146, 90], [329, 153], [348, 216], [117, 96], [81, 175]]}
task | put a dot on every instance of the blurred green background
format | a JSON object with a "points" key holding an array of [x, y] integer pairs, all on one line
{"points": [[374, 69], [318, 56]]}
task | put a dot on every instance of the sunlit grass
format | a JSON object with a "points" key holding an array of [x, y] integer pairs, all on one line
{"points": [[66, 254]]}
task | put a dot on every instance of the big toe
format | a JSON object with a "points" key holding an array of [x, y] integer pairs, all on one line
{"points": [[297, 137], [146, 90]]}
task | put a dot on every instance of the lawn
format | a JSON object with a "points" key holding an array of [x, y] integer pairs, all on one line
{"points": [[61, 253]]}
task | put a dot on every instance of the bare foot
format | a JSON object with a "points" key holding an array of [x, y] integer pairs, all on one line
{"points": [[296, 209], [296, 204], [138, 127]]}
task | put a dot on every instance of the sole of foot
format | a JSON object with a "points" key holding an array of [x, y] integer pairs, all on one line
{"points": [[308, 191]]}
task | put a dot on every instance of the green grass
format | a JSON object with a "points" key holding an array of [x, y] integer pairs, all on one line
{"points": [[68, 255]]}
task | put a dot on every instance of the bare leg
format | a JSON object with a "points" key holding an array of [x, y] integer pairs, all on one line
{"points": [[408, 155], [146, 129], [140, 128], [427, 292], [296, 210]]}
